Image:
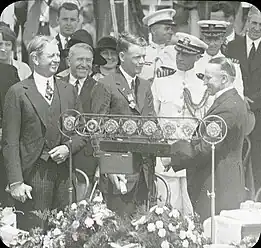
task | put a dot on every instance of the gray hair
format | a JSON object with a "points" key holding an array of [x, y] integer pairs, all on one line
{"points": [[226, 65], [77, 46], [38, 43]]}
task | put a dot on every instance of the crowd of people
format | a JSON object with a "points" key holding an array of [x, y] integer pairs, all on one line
{"points": [[217, 73]]}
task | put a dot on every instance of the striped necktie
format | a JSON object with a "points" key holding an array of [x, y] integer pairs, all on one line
{"points": [[77, 86], [48, 92]]}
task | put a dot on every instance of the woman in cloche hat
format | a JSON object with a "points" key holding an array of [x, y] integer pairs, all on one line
{"points": [[106, 47]]}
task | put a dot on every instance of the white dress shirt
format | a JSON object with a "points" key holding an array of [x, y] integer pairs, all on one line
{"points": [[249, 43], [127, 76], [72, 81], [63, 40], [41, 85]]}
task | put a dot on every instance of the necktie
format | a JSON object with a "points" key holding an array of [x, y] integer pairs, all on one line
{"points": [[133, 88], [251, 56], [77, 86], [66, 42], [48, 91]]}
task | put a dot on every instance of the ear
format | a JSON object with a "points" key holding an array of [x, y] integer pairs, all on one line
{"points": [[121, 56], [198, 56], [35, 59]]}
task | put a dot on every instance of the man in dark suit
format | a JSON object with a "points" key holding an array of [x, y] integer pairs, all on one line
{"points": [[35, 152], [196, 156], [68, 18], [80, 60], [247, 50], [124, 93], [225, 11], [9, 76]]}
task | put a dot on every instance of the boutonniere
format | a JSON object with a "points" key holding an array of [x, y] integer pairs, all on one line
{"points": [[131, 101]]}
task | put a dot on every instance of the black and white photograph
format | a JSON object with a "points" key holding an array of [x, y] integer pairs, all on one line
{"points": [[130, 124]]}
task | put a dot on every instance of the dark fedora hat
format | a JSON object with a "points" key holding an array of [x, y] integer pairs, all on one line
{"points": [[107, 42], [82, 36]]}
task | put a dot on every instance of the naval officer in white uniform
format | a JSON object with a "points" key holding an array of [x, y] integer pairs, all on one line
{"points": [[213, 34], [159, 52], [181, 94]]}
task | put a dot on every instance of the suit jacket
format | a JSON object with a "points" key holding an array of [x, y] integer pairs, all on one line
{"points": [[224, 47], [24, 124], [110, 97], [237, 49], [9, 76], [229, 172], [84, 159], [63, 55]]}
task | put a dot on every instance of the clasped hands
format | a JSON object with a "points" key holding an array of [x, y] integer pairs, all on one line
{"points": [[119, 181]]}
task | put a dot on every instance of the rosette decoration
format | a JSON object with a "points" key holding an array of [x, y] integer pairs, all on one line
{"points": [[149, 128], [213, 129], [92, 126], [111, 126], [129, 127], [188, 130], [168, 129]]}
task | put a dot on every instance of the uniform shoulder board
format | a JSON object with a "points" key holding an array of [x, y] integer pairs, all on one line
{"points": [[236, 61], [200, 76], [164, 71]]}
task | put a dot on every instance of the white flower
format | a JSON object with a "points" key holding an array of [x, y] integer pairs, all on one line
{"points": [[151, 227], [199, 240], [99, 221], [171, 227], [159, 224], [56, 232], [174, 213], [59, 215], [75, 236], [83, 203], [88, 222], [193, 237], [182, 234], [162, 232], [153, 208], [74, 206], [159, 210], [165, 244], [185, 243], [75, 224], [98, 198]]}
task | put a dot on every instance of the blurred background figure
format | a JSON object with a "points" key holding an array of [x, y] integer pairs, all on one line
{"points": [[107, 48], [7, 47]]}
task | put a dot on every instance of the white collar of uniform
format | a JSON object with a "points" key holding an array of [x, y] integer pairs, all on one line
{"points": [[250, 41], [127, 76], [72, 80], [219, 93], [39, 79], [219, 54], [231, 36], [187, 75], [155, 45]]}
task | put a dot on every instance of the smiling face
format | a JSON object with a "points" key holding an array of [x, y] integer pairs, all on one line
{"points": [[111, 58], [46, 63], [254, 27], [133, 59], [5, 49], [80, 62]]}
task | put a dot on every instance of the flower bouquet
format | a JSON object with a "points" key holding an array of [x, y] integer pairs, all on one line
{"points": [[247, 242]]}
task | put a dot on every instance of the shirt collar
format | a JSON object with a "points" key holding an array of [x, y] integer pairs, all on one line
{"points": [[39, 78], [72, 80], [250, 41], [231, 36], [219, 93], [155, 45], [219, 54], [127, 76]]}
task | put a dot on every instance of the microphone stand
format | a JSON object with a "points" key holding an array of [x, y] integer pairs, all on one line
{"points": [[70, 189]]}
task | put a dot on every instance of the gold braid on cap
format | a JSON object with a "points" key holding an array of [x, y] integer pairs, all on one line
{"points": [[192, 107]]}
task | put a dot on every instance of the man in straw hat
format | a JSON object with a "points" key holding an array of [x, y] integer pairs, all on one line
{"points": [[161, 26]]}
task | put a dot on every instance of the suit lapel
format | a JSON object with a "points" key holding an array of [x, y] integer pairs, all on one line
{"points": [[59, 42], [220, 100], [36, 99], [243, 54], [140, 93], [124, 88], [61, 92]]}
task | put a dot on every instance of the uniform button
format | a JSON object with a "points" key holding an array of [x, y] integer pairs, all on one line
{"points": [[179, 111], [178, 125]]}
